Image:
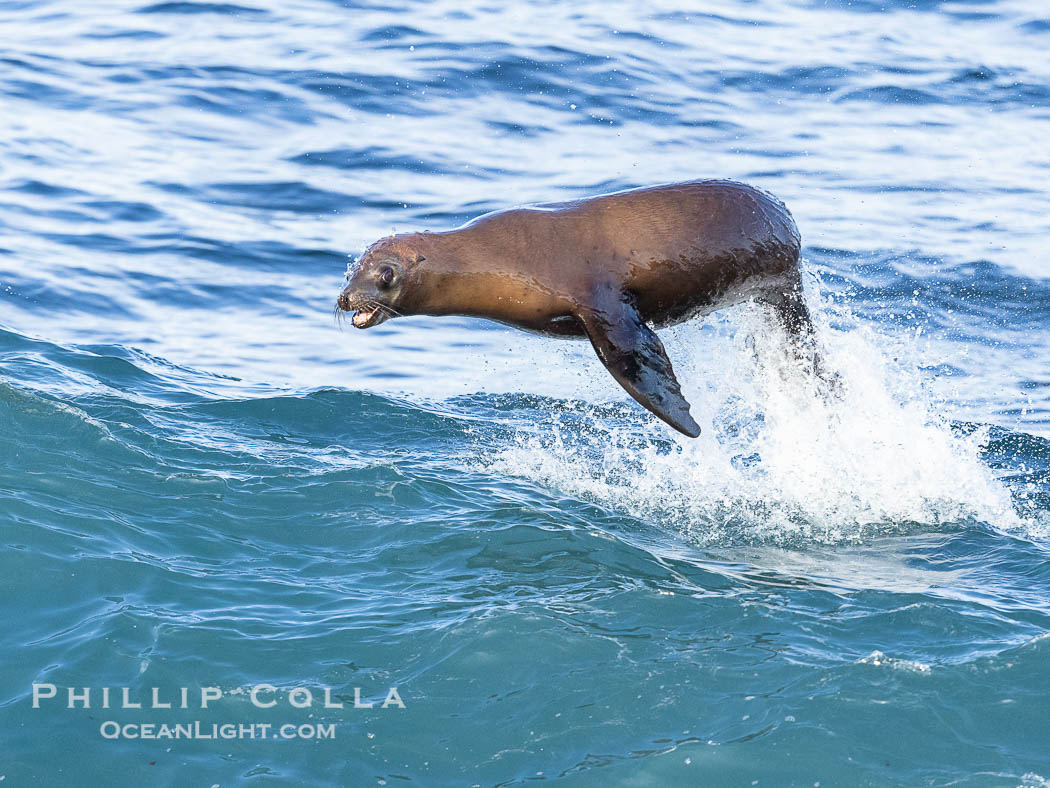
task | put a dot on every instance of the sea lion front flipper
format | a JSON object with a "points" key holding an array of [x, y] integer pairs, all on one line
{"points": [[634, 355]]}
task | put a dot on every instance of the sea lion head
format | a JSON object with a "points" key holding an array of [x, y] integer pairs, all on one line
{"points": [[377, 282]]}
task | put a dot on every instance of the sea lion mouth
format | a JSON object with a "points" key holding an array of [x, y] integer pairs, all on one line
{"points": [[364, 318]]}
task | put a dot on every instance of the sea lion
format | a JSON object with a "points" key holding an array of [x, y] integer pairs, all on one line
{"points": [[609, 268]]}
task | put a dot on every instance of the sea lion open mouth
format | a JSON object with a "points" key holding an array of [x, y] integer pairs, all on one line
{"points": [[363, 318]]}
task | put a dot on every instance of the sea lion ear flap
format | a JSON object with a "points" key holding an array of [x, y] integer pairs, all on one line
{"points": [[634, 355]]}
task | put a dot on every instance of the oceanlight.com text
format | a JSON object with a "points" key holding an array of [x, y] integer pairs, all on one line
{"points": [[110, 729]]}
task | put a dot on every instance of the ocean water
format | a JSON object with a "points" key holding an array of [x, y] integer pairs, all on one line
{"points": [[208, 484]]}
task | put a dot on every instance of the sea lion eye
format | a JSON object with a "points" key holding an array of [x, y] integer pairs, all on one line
{"points": [[386, 277]]}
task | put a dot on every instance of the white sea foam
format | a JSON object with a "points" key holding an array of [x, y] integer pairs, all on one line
{"points": [[878, 659], [777, 461]]}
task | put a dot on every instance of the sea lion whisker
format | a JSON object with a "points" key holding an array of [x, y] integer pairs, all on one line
{"points": [[375, 306]]}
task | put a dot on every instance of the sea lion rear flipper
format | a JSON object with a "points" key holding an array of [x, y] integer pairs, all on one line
{"points": [[634, 355]]}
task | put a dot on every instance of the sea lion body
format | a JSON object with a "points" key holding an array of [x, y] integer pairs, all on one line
{"points": [[681, 250], [605, 268]]}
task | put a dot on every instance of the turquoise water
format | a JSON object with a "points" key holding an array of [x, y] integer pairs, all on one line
{"points": [[207, 484]]}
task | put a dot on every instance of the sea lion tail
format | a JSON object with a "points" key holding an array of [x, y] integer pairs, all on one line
{"points": [[789, 308]]}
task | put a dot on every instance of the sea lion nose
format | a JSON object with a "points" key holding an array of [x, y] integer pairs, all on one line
{"points": [[344, 300]]}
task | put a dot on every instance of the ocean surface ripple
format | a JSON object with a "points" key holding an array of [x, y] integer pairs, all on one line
{"points": [[207, 481]]}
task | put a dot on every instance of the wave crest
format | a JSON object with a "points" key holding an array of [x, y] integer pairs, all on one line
{"points": [[777, 461]]}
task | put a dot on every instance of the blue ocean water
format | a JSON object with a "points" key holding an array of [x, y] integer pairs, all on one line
{"points": [[207, 484]]}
